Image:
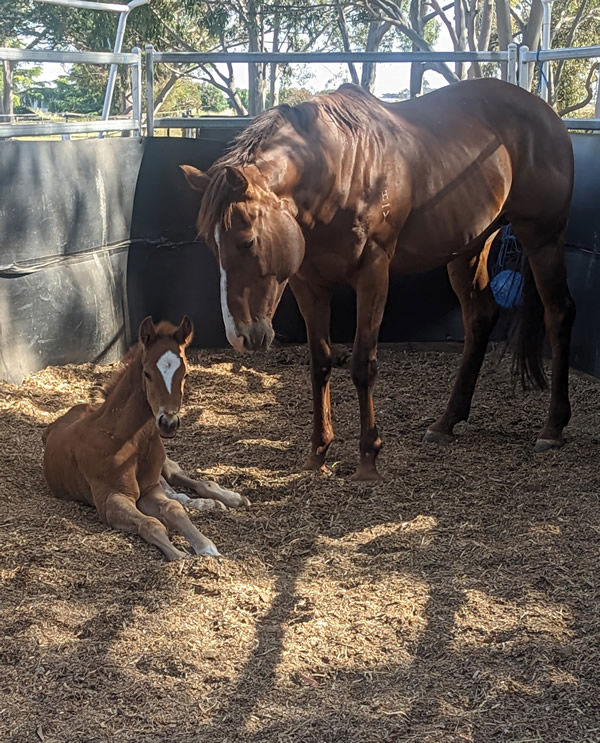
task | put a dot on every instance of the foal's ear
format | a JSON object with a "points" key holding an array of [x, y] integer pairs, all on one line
{"points": [[197, 180], [185, 331], [147, 331], [236, 180]]}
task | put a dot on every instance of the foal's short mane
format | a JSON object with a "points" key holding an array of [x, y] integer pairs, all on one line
{"points": [[100, 392], [349, 108]]}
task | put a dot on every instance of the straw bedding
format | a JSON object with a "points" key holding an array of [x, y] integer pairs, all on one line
{"points": [[456, 600]]}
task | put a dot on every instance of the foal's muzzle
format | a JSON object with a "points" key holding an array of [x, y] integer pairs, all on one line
{"points": [[167, 423]]}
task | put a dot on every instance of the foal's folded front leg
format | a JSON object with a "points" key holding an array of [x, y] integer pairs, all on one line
{"points": [[155, 503], [175, 477], [120, 512]]}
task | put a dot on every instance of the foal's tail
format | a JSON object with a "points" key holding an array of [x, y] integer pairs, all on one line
{"points": [[527, 335]]}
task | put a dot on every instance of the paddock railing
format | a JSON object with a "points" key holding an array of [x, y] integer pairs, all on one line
{"points": [[133, 124], [528, 59], [509, 58]]}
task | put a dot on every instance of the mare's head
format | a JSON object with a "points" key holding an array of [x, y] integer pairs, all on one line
{"points": [[164, 369], [254, 234]]}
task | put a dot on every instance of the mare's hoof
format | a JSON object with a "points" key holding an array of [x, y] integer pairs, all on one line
{"points": [[547, 444], [366, 474], [437, 437], [313, 463]]}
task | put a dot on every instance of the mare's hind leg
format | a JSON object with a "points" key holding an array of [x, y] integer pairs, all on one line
{"points": [[470, 281], [120, 512], [154, 503], [371, 294], [205, 489], [547, 263]]}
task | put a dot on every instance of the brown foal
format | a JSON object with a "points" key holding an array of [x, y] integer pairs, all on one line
{"points": [[111, 455]]}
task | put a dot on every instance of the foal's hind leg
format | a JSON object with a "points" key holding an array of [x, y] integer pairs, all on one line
{"points": [[205, 489], [470, 281], [547, 263], [155, 503]]}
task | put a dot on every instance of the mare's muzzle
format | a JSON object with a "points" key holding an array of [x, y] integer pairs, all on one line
{"points": [[258, 335], [167, 423]]}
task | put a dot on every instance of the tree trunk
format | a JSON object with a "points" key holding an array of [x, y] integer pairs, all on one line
{"points": [[461, 36], [8, 111], [533, 28], [485, 26], [504, 29], [256, 88], [377, 30], [273, 87], [345, 40]]}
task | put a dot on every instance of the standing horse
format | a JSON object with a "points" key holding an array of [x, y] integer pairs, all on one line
{"points": [[343, 188], [111, 456]]}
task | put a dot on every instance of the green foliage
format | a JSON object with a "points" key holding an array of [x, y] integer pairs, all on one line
{"points": [[198, 97]]}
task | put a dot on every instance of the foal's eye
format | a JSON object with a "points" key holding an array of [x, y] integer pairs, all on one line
{"points": [[147, 375]]}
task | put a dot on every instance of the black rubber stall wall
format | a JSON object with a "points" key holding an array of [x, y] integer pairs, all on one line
{"points": [[583, 256], [65, 223], [97, 234]]}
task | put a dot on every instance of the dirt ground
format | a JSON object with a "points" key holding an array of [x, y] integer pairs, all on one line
{"points": [[457, 600]]}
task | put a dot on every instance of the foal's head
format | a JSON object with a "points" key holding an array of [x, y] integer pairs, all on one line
{"points": [[164, 369], [258, 243]]}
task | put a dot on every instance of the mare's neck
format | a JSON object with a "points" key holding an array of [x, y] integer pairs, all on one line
{"points": [[125, 412]]}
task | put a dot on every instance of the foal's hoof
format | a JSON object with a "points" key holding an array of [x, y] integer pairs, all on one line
{"points": [[437, 437], [206, 504], [547, 444], [366, 474]]}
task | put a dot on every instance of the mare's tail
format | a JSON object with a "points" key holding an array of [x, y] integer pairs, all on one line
{"points": [[527, 335]]}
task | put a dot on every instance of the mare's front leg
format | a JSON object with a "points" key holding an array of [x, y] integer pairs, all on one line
{"points": [[119, 511], [171, 514], [210, 493], [315, 306], [371, 294], [470, 281]]}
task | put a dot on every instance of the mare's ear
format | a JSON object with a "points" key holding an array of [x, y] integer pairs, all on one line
{"points": [[236, 180], [185, 331], [147, 331], [197, 180]]}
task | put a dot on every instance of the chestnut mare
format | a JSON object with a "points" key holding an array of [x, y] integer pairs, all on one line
{"points": [[343, 188], [111, 455]]}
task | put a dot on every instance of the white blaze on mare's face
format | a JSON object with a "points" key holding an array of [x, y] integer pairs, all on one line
{"points": [[230, 330], [167, 365]]}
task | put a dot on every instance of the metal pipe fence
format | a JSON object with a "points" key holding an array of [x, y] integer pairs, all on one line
{"points": [[132, 59], [508, 58]]}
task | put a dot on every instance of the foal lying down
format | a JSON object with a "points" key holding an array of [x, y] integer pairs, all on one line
{"points": [[111, 455]]}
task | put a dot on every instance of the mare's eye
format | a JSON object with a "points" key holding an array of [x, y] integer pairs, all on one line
{"points": [[246, 245]]}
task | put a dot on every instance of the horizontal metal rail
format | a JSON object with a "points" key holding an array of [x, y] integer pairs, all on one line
{"points": [[207, 122], [325, 57], [58, 127], [49, 55], [88, 5], [546, 55], [582, 124]]}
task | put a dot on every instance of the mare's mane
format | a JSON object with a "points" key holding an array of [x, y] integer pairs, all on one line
{"points": [[100, 392], [349, 108]]}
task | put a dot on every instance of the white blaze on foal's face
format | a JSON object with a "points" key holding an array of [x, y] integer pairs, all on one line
{"points": [[167, 365]]}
